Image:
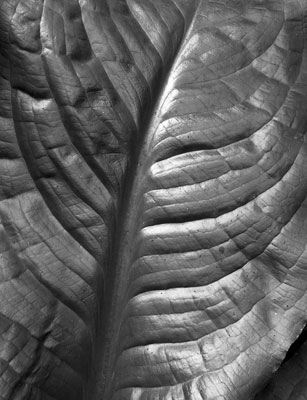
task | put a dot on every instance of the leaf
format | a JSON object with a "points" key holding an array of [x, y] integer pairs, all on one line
{"points": [[153, 196]]}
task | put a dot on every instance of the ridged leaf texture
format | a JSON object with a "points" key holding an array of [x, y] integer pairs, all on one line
{"points": [[152, 198]]}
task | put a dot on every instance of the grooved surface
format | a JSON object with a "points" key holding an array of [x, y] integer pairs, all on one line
{"points": [[152, 197]]}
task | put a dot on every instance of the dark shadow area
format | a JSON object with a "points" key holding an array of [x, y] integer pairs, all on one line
{"points": [[294, 348]]}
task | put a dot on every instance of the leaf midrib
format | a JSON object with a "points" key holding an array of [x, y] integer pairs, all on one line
{"points": [[129, 222]]}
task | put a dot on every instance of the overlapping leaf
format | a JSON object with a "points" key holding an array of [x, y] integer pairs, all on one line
{"points": [[153, 196], [290, 381]]}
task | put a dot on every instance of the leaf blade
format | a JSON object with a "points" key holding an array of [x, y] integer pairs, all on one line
{"points": [[164, 327], [196, 265]]}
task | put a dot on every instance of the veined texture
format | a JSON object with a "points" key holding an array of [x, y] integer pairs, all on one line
{"points": [[153, 197]]}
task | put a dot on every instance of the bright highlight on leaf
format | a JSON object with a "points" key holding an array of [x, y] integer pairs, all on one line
{"points": [[152, 199]]}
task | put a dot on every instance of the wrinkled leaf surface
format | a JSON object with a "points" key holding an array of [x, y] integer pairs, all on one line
{"points": [[152, 197]]}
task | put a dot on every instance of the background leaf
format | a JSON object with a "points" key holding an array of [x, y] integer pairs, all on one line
{"points": [[289, 382]]}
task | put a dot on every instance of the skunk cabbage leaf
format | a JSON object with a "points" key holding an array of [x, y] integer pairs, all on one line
{"points": [[152, 197]]}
